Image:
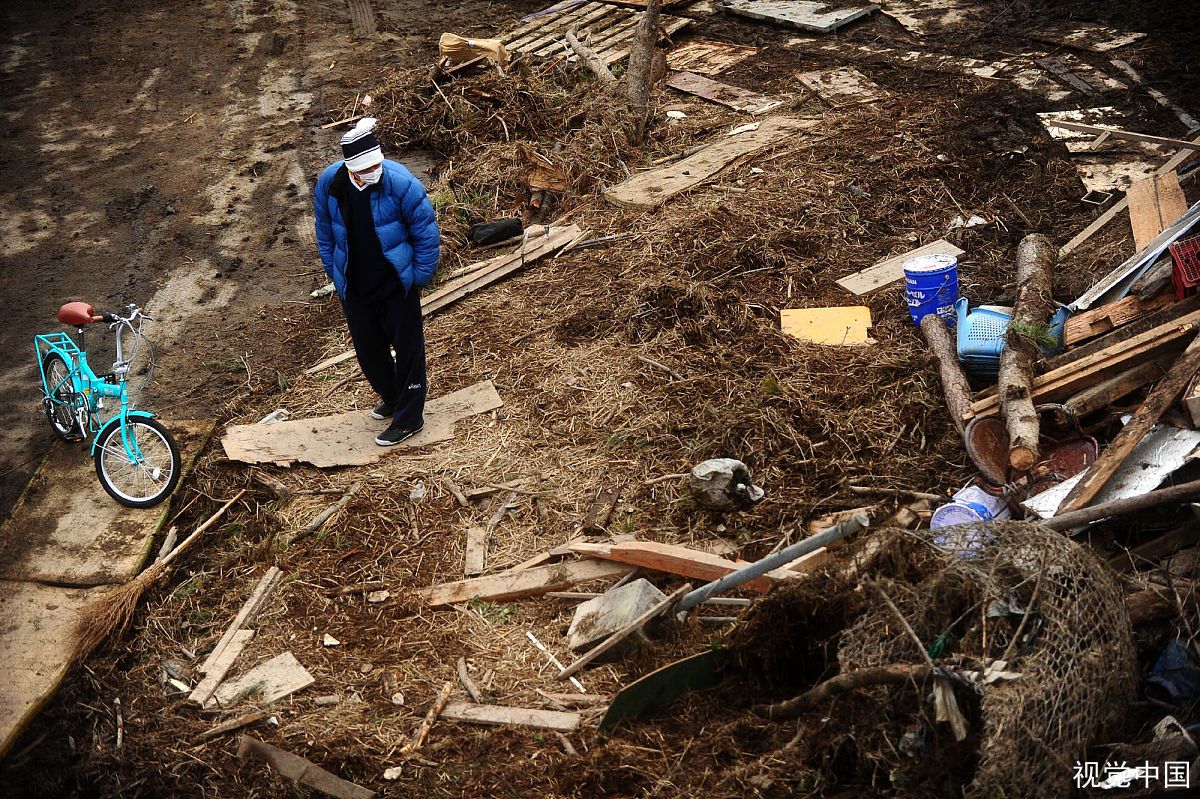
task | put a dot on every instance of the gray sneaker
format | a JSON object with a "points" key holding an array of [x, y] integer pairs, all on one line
{"points": [[395, 434]]}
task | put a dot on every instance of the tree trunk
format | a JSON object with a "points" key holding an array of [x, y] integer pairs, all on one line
{"points": [[954, 383], [1035, 259], [641, 60]]}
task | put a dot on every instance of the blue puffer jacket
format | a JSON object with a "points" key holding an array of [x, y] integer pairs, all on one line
{"points": [[404, 222]]}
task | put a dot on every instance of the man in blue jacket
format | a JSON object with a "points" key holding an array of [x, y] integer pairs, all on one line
{"points": [[379, 242]]}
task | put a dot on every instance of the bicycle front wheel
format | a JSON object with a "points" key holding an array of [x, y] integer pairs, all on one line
{"points": [[148, 476]]}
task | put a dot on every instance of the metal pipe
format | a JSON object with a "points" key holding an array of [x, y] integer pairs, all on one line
{"points": [[783, 557]]}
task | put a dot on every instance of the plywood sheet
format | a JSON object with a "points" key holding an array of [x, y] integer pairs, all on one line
{"points": [[1086, 36], [924, 60], [843, 86], [348, 439], [733, 97], [931, 16], [267, 682], [37, 639], [652, 188], [1155, 203], [835, 326], [1079, 74], [66, 530], [817, 17], [707, 57], [891, 269]]}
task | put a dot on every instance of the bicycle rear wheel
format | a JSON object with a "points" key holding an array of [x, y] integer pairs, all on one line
{"points": [[60, 402], [138, 482]]}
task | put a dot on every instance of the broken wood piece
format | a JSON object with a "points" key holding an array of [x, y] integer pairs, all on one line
{"points": [[653, 187], [518, 585], [1166, 102], [891, 269], [1157, 548], [1104, 394], [582, 700], [842, 86], [620, 635], [217, 664], [267, 682], [707, 57], [1147, 415], [1172, 312], [590, 58], [734, 97], [498, 715], [831, 326], [595, 522], [1105, 318], [169, 541], [431, 716], [955, 387], [319, 520], [455, 492], [1035, 261], [468, 684], [300, 770], [1155, 203], [230, 726], [818, 17], [475, 551], [669, 558], [1163, 496], [1118, 133]]}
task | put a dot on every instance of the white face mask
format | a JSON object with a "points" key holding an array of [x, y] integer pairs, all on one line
{"points": [[369, 178]]}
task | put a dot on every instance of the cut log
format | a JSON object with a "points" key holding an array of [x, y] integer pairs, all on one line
{"points": [[1102, 395], [300, 770], [511, 716], [955, 387], [525, 583], [670, 559], [1035, 260], [1147, 415]]}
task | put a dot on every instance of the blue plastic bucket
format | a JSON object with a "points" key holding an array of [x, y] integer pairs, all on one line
{"points": [[931, 286]]}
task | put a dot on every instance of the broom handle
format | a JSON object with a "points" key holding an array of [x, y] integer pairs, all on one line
{"points": [[199, 530]]}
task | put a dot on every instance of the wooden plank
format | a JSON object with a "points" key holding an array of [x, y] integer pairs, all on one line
{"points": [[1061, 383], [1163, 316], [476, 550], [671, 28], [837, 327], [891, 269], [300, 770], [588, 19], [1124, 383], [818, 17], [1155, 204], [671, 559], [842, 86], [1086, 36], [1147, 415], [267, 682], [218, 665], [230, 726], [1105, 318], [708, 57], [1118, 133], [525, 583], [733, 97], [498, 715], [652, 188]]}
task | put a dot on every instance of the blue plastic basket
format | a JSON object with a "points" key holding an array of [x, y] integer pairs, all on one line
{"points": [[980, 336]]}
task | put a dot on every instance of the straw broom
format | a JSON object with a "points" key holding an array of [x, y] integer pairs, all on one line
{"points": [[114, 610]]}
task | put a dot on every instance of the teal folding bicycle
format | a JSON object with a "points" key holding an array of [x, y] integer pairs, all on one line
{"points": [[136, 458]]}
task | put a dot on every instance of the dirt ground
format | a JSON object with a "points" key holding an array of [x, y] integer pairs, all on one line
{"points": [[164, 153]]}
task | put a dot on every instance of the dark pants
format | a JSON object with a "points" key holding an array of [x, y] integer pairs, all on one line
{"points": [[395, 321]]}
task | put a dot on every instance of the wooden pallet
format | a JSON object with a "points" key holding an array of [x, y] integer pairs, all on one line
{"points": [[608, 29]]}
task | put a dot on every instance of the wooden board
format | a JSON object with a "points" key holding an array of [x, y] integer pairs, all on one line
{"points": [[809, 16], [348, 439], [1157, 319], [1155, 203], [498, 715], [671, 559], [1086, 36], [606, 28], [659, 688], [923, 60], [525, 583], [267, 682], [707, 57], [476, 550], [218, 662], [653, 187], [931, 16], [1105, 318], [891, 269], [834, 326], [843, 86], [1079, 74], [734, 97], [215, 668]]}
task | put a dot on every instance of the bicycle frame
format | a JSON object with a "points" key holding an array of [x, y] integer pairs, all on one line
{"points": [[92, 388]]}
